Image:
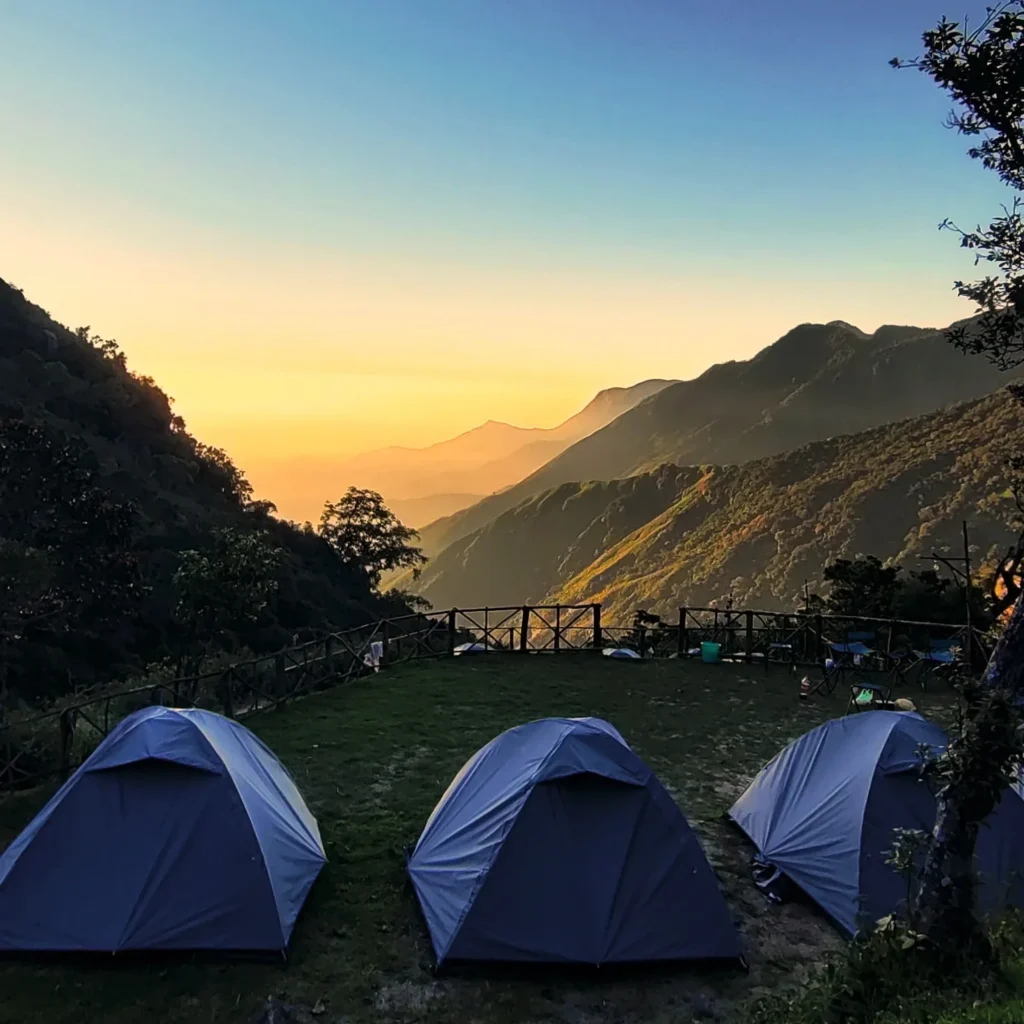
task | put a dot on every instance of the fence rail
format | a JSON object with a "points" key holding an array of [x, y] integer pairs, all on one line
{"points": [[54, 741]]}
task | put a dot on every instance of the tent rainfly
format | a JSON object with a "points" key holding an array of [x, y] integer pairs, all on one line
{"points": [[555, 843], [473, 649], [824, 810], [621, 652], [182, 831]]}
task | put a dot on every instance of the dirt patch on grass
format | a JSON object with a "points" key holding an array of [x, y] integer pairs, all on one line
{"points": [[406, 998], [397, 768]]}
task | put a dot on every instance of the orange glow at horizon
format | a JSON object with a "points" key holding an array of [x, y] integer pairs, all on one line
{"points": [[280, 355]]}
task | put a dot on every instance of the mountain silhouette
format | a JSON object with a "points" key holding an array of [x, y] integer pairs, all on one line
{"points": [[817, 381], [688, 535]]}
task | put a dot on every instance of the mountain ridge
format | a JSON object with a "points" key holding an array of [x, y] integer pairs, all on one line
{"points": [[486, 458], [754, 531], [815, 381]]}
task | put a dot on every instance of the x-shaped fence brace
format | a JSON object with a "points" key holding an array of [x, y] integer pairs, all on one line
{"points": [[421, 642], [559, 638], [489, 631]]}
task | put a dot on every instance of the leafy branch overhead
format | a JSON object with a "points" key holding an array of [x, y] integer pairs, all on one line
{"points": [[983, 72], [366, 534]]}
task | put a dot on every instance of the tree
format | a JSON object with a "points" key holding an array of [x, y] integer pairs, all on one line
{"points": [[862, 587], [221, 589], [66, 549], [983, 72], [365, 533], [865, 588]]}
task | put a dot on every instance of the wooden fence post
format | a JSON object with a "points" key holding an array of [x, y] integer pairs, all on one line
{"points": [[67, 739], [681, 647], [280, 676], [749, 640], [558, 627], [385, 637], [451, 630], [818, 630], [598, 642], [226, 695], [487, 629], [524, 629]]}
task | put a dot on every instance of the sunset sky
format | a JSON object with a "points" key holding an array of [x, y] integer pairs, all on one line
{"points": [[327, 225]]}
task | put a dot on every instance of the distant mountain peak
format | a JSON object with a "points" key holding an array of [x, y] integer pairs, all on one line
{"points": [[816, 381], [847, 326]]}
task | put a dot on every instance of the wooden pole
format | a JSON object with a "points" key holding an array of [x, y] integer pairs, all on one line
{"points": [[385, 637], [280, 676], [749, 644], [451, 630], [558, 627], [968, 647], [524, 629], [226, 696], [681, 634], [598, 643], [67, 739]]}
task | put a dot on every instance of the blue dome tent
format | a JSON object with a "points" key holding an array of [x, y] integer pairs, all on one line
{"points": [[824, 810], [182, 831], [555, 843]]}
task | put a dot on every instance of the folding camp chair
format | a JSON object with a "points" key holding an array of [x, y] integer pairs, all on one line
{"points": [[938, 660], [845, 660], [778, 648], [869, 696]]}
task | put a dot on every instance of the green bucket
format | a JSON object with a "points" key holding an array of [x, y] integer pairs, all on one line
{"points": [[710, 652]]}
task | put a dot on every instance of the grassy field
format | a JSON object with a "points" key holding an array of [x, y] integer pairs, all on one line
{"points": [[372, 758]]}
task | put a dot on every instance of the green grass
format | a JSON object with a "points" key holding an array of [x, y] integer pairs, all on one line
{"points": [[372, 758]]}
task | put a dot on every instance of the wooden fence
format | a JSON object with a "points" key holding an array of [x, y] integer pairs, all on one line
{"points": [[34, 746]]}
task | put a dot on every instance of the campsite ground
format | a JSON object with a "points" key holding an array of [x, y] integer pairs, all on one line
{"points": [[372, 759]]}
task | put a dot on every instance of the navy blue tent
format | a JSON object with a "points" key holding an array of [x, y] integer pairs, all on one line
{"points": [[182, 831], [824, 810], [555, 843]]}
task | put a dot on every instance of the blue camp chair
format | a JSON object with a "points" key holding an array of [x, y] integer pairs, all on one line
{"points": [[845, 658], [938, 659]]}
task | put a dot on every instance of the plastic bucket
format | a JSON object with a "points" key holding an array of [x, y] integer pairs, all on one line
{"points": [[710, 652]]}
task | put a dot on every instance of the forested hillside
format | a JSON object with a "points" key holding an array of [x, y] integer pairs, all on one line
{"points": [[756, 531], [818, 381], [101, 489]]}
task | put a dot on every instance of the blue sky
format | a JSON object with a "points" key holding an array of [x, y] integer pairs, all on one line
{"points": [[609, 189], [497, 130]]}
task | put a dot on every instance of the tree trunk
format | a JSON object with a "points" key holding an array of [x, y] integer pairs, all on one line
{"points": [[979, 758]]}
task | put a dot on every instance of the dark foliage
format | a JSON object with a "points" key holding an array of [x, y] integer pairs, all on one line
{"points": [[863, 586], [120, 490], [221, 590], [983, 72], [368, 536], [68, 569]]}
